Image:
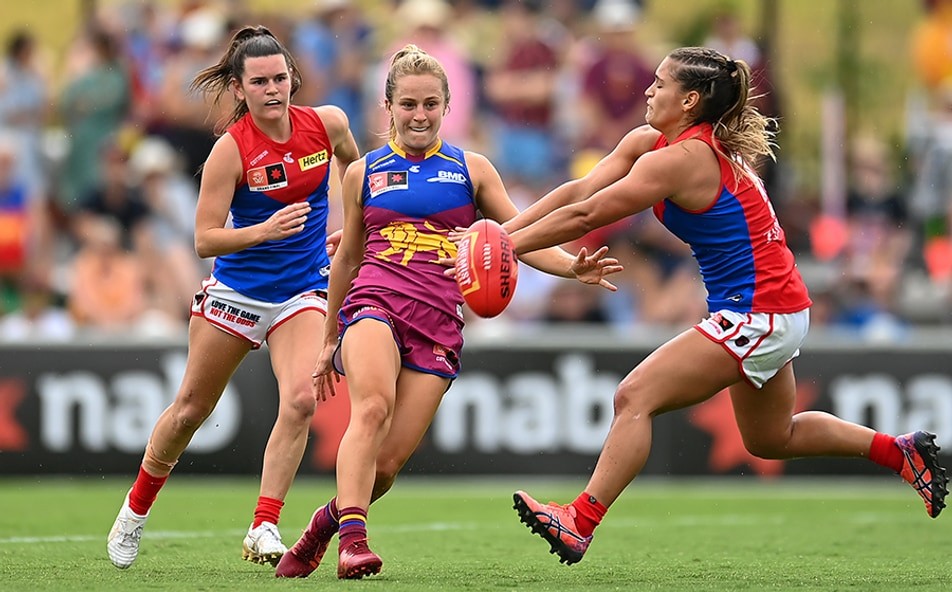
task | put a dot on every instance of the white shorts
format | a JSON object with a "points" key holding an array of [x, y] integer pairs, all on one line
{"points": [[248, 318], [762, 343]]}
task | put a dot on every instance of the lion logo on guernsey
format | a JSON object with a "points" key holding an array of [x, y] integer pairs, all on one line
{"points": [[406, 238]]}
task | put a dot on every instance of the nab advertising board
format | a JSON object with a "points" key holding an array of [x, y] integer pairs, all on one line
{"points": [[515, 409]]}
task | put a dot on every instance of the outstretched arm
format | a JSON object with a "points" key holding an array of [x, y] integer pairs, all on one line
{"points": [[494, 202], [346, 264], [609, 169], [687, 172]]}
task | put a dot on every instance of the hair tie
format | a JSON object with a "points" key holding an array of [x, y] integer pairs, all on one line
{"points": [[732, 67]]}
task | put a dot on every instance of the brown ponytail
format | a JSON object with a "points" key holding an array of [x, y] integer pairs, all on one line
{"points": [[724, 85], [249, 42]]}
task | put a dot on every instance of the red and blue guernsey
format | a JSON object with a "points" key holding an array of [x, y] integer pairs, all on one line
{"points": [[274, 175], [410, 204], [739, 245]]}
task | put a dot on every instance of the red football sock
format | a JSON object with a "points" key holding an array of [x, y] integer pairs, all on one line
{"points": [[267, 510], [884, 451], [144, 491], [353, 525], [589, 513]]}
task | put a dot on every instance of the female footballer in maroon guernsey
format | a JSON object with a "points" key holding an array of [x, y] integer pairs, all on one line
{"points": [[691, 164], [400, 315], [269, 171]]}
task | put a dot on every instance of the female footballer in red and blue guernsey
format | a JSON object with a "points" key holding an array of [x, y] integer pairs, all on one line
{"points": [[269, 173], [692, 163]]}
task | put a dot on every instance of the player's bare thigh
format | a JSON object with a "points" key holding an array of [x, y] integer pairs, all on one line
{"points": [[371, 359], [294, 348], [213, 357], [764, 416], [686, 370], [418, 397]]}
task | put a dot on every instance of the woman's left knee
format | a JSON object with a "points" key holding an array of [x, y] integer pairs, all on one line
{"points": [[301, 404]]}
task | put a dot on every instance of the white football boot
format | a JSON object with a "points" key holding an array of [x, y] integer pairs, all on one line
{"points": [[123, 540], [263, 544]]}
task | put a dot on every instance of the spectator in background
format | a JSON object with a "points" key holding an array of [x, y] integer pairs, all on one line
{"points": [[39, 316], [166, 241], [877, 245], [572, 302], [24, 107], [425, 24], [613, 99], [928, 106], [107, 291], [727, 36], [24, 229], [660, 282], [114, 195], [475, 27], [931, 48], [94, 105], [521, 89], [333, 49], [931, 198], [150, 207], [565, 27], [146, 29], [184, 118]]}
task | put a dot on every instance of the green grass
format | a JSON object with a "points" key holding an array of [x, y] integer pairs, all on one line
{"points": [[444, 534]]}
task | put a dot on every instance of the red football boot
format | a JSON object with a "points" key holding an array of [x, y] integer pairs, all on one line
{"points": [[306, 554], [920, 468], [357, 560], [554, 523]]}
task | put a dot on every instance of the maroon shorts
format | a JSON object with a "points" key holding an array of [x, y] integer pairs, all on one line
{"points": [[429, 340]]}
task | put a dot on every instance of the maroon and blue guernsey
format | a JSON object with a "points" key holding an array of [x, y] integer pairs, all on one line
{"points": [[739, 245], [410, 204], [274, 175]]}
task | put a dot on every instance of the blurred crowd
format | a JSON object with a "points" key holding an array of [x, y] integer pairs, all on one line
{"points": [[99, 156]]}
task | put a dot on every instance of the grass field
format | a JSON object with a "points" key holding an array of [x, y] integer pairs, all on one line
{"points": [[439, 535]]}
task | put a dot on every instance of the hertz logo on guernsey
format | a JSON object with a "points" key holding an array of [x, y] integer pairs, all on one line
{"points": [[312, 160]]}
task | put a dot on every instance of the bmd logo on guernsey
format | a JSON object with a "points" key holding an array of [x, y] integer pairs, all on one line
{"points": [[312, 160], [448, 177]]}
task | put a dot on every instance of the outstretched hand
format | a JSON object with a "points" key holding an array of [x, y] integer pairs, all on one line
{"points": [[449, 263], [592, 269], [333, 242], [324, 376]]}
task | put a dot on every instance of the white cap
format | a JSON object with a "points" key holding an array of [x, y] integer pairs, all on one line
{"points": [[202, 29], [329, 5], [152, 155], [424, 13], [616, 15]]}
